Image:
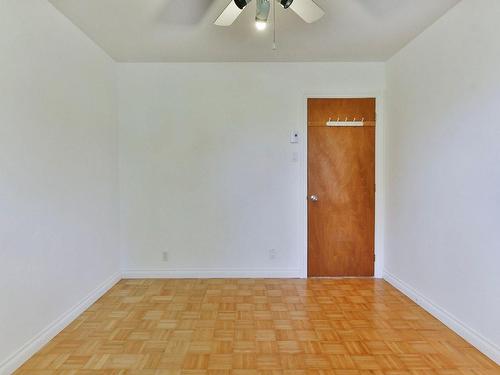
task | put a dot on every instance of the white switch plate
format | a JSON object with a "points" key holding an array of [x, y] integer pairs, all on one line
{"points": [[294, 136]]}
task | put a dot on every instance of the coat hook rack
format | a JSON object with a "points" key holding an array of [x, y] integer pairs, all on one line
{"points": [[346, 122]]}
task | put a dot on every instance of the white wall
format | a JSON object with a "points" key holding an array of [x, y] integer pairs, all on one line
{"points": [[206, 170], [443, 162], [58, 172]]}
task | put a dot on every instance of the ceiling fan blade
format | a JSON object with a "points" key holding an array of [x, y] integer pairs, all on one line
{"points": [[229, 15], [308, 10]]}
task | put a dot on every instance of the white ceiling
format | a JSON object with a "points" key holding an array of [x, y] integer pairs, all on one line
{"points": [[182, 30]]}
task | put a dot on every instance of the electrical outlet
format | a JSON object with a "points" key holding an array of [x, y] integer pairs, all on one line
{"points": [[272, 254], [164, 256]]}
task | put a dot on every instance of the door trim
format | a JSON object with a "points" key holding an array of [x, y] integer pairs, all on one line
{"points": [[379, 174]]}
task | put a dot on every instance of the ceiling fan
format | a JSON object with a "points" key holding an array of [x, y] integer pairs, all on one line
{"points": [[308, 10]]}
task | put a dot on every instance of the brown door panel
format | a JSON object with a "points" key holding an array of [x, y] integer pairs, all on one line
{"points": [[341, 173]]}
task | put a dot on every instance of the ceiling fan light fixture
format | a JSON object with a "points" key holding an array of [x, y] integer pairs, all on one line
{"points": [[263, 9], [286, 3]]}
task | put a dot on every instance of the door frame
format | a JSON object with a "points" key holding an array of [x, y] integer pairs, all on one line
{"points": [[379, 174]]}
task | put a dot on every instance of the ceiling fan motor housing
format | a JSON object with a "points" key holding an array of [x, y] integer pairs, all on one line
{"points": [[286, 3], [241, 3]]}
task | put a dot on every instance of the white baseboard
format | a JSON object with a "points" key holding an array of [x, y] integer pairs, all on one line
{"points": [[13, 362], [467, 333], [279, 273]]}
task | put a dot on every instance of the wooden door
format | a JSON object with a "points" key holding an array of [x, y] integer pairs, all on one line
{"points": [[341, 174]]}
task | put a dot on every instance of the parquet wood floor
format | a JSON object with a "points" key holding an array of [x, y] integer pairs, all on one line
{"points": [[246, 326]]}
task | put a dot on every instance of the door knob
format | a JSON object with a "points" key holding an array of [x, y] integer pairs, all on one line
{"points": [[313, 198]]}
